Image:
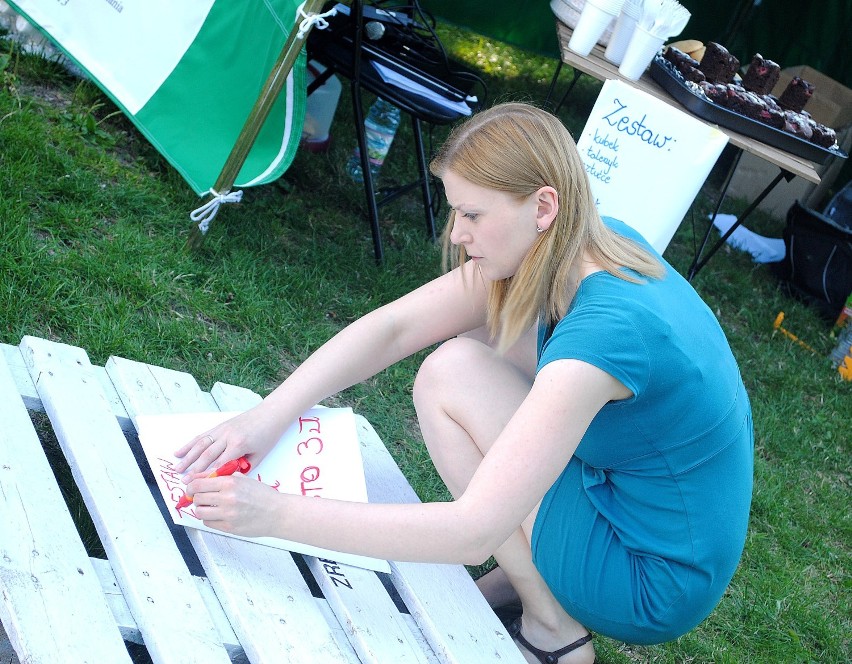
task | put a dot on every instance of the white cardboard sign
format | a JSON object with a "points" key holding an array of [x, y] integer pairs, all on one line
{"points": [[319, 455], [646, 160]]}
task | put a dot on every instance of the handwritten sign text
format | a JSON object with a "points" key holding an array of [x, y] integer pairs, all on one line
{"points": [[645, 159], [318, 456]]}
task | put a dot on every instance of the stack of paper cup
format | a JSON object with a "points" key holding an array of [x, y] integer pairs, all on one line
{"points": [[641, 50], [623, 31], [594, 20], [568, 12]]}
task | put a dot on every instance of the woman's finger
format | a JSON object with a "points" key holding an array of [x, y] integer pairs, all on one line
{"points": [[205, 451], [186, 449], [193, 449]]}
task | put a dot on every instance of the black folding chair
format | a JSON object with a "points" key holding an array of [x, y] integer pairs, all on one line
{"points": [[342, 49]]}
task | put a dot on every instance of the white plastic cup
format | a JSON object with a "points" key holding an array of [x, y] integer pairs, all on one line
{"points": [[625, 24], [319, 110], [620, 40], [7, 16], [611, 6], [593, 22], [641, 50]]}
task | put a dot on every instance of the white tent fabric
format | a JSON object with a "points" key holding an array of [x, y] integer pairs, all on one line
{"points": [[187, 74]]}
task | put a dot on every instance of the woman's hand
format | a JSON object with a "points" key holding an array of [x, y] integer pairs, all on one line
{"points": [[251, 434], [236, 504]]}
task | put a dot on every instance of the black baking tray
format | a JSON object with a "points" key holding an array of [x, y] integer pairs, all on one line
{"points": [[673, 83]]}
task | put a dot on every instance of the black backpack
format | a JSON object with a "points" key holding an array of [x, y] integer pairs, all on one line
{"points": [[817, 267]]}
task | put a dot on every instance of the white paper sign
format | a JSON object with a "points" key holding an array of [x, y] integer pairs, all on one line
{"points": [[319, 455], [646, 160]]}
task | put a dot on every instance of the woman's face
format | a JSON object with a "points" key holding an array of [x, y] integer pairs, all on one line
{"points": [[496, 229]]}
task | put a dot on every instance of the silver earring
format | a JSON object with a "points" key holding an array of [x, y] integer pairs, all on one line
{"points": [[539, 229]]}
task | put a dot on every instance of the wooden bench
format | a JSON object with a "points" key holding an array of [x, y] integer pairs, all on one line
{"points": [[251, 603]]}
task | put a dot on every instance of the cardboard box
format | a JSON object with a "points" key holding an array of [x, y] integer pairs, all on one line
{"points": [[831, 105]]}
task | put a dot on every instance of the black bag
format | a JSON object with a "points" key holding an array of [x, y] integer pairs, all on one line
{"points": [[817, 267]]}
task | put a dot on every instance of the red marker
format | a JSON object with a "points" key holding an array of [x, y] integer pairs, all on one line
{"points": [[241, 465]]}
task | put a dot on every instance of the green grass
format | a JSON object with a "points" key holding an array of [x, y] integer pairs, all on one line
{"points": [[93, 225]]}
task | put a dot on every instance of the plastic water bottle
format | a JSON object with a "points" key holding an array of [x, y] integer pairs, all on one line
{"points": [[380, 126], [843, 329]]}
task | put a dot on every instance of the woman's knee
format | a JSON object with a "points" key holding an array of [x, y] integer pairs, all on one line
{"points": [[446, 365]]}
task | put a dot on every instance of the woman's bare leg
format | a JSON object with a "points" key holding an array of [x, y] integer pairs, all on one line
{"points": [[465, 395], [496, 588]]}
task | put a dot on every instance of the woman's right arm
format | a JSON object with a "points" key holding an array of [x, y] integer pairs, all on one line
{"points": [[443, 308]]}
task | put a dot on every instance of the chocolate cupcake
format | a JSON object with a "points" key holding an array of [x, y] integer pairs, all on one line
{"points": [[823, 136], [685, 64], [761, 75], [797, 124], [718, 65], [796, 94]]}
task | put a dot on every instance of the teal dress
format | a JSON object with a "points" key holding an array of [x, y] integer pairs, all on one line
{"points": [[643, 530]]}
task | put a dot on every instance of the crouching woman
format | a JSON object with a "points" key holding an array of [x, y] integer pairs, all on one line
{"points": [[584, 410]]}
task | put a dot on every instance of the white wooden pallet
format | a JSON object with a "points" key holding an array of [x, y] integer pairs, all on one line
{"points": [[253, 603]]}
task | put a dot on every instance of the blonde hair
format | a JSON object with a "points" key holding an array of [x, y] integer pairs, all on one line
{"points": [[517, 148]]}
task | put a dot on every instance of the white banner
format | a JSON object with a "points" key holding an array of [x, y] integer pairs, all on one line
{"points": [[110, 39], [646, 160]]}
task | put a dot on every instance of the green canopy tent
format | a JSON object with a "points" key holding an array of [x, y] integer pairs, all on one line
{"points": [[218, 88]]}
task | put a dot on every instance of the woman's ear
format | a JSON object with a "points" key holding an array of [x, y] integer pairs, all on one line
{"points": [[547, 206]]}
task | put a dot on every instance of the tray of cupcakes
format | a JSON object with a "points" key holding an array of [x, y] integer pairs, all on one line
{"points": [[705, 79]]}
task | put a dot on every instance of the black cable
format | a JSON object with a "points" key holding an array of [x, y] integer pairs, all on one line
{"points": [[459, 73]]}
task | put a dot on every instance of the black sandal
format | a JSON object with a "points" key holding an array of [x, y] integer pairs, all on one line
{"points": [[542, 655]]}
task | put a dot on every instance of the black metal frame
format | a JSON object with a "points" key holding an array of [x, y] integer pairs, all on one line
{"points": [[698, 262], [347, 60], [552, 88]]}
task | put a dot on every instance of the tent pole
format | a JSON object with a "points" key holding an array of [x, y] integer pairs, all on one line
{"points": [[259, 112]]}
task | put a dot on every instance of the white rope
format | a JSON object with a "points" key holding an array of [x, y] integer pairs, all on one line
{"points": [[311, 20], [205, 214]]}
